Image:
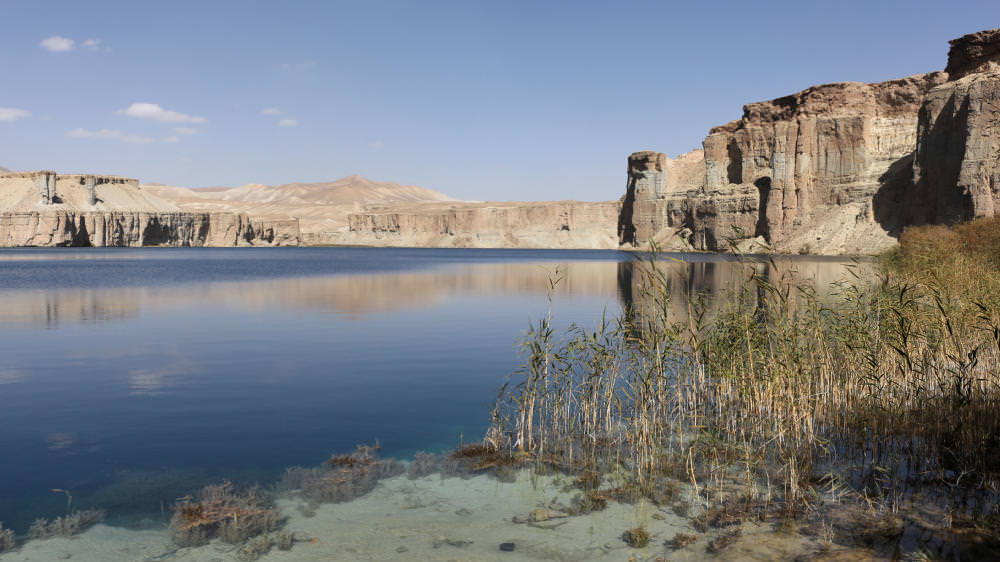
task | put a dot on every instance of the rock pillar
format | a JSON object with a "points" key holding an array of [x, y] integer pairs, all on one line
{"points": [[47, 186], [647, 180], [92, 197]]}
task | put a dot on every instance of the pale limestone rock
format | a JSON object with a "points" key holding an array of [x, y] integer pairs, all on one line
{"points": [[43, 209], [550, 224]]}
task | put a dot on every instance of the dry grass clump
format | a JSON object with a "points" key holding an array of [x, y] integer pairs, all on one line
{"points": [[7, 539], [873, 390], [637, 537], [681, 540], [343, 477], [222, 512], [66, 526]]}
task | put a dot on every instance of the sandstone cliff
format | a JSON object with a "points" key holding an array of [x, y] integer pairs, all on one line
{"points": [[956, 170], [549, 224], [837, 168], [46, 209], [321, 208]]}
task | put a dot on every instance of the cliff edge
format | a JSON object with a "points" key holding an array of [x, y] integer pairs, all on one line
{"points": [[834, 169], [47, 209]]}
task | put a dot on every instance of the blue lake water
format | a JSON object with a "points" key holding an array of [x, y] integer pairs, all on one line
{"points": [[131, 377]]}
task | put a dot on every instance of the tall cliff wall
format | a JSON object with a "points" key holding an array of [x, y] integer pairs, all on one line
{"points": [[140, 228], [550, 224], [837, 168], [956, 170], [46, 209]]}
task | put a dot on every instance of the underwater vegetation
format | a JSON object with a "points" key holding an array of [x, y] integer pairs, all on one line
{"points": [[7, 539], [341, 478], [868, 412], [222, 512], [66, 526]]}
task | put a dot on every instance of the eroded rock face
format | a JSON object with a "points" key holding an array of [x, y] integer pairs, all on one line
{"points": [[975, 52], [123, 228], [956, 169], [46, 209], [837, 168], [550, 224]]}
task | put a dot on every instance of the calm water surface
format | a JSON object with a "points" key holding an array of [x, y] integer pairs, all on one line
{"points": [[130, 377]]}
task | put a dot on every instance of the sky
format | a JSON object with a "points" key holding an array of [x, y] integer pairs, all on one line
{"points": [[504, 100]]}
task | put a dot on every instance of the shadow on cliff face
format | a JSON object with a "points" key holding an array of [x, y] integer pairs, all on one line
{"points": [[936, 198], [894, 186]]}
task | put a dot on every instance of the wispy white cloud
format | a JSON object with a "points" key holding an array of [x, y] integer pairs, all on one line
{"points": [[13, 114], [109, 134], [156, 113], [288, 122], [172, 138], [272, 111], [57, 44], [95, 44], [185, 131]]}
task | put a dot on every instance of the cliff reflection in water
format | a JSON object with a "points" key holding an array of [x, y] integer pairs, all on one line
{"points": [[360, 294], [716, 279]]}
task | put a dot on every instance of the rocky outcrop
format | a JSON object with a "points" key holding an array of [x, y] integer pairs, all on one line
{"points": [[837, 168], [974, 53], [552, 224], [956, 169], [123, 228], [46, 209]]}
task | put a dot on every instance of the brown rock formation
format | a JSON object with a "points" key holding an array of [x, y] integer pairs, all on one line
{"points": [[837, 168], [975, 52], [956, 170]]}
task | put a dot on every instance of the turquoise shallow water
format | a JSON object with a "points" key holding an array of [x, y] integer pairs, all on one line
{"points": [[132, 377]]}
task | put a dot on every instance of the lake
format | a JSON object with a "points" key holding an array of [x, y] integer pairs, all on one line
{"points": [[130, 377]]}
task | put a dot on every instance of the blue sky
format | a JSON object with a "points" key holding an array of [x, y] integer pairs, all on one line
{"points": [[501, 100]]}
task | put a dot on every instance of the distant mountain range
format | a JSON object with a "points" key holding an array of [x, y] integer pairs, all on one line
{"points": [[3, 170], [320, 207]]}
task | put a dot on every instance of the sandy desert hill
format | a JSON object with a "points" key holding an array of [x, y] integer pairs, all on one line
{"points": [[320, 207]]}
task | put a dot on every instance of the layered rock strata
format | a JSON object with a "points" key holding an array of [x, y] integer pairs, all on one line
{"points": [[956, 169], [142, 228], [838, 168], [550, 224], [46, 209]]}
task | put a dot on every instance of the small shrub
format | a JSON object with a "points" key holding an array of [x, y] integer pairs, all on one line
{"points": [[223, 513], [66, 526], [343, 477], [637, 537]]}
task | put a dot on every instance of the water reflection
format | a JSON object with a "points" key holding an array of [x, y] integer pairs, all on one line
{"points": [[352, 294], [360, 294], [716, 280], [218, 374]]}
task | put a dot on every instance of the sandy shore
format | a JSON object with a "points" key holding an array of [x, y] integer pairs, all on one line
{"points": [[434, 519]]}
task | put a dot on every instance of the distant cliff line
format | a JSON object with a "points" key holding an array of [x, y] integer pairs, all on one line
{"points": [[47, 209], [834, 169]]}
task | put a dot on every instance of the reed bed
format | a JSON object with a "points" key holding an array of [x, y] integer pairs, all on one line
{"points": [[883, 389]]}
